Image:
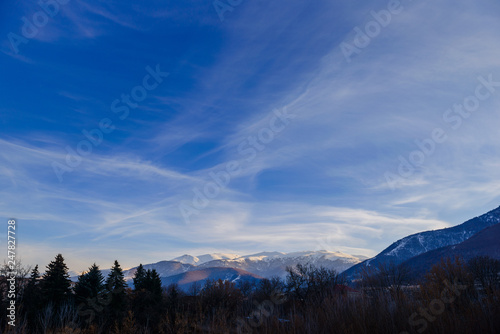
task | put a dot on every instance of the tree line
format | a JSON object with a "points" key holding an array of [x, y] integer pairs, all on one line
{"points": [[454, 296]]}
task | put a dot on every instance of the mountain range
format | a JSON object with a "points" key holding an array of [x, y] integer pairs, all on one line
{"points": [[477, 236], [253, 266], [268, 264]]}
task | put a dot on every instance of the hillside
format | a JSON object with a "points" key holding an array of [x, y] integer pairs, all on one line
{"points": [[484, 243], [200, 276], [423, 242]]}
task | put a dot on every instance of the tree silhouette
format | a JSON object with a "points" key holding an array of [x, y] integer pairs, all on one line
{"points": [[486, 271], [56, 285], [32, 297], [90, 284], [139, 277], [153, 283], [147, 297], [115, 285]]}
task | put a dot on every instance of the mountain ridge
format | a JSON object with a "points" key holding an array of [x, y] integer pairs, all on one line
{"points": [[422, 242], [483, 243], [186, 280], [263, 264]]}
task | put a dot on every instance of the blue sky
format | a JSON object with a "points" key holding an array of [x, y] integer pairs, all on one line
{"points": [[303, 121]]}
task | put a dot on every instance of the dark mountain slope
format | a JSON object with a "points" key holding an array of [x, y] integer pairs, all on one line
{"points": [[423, 242], [484, 243], [186, 280]]}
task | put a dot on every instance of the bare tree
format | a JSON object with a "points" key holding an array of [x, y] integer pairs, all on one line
{"points": [[307, 281], [20, 272], [486, 271]]}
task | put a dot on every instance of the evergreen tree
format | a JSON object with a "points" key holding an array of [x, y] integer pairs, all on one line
{"points": [[153, 283], [115, 284], [89, 291], [34, 277], [139, 277], [147, 297], [56, 285], [32, 299], [90, 285]]}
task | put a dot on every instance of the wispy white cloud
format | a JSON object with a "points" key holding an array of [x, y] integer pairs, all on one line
{"points": [[319, 181]]}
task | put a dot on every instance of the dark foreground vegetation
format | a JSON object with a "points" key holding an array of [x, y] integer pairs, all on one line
{"points": [[454, 297]]}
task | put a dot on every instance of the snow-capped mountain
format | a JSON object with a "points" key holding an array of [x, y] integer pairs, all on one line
{"points": [[420, 243], [200, 259], [265, 264], [268, 264]]}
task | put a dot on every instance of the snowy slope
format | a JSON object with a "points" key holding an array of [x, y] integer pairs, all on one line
{"points": [[420, 243], [265, 264], [268, 264], [483, 243], [200, 259]]}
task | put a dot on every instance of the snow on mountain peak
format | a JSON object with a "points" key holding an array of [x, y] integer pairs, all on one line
{"points": [[200, 259], [188, 259], [267, 256]]}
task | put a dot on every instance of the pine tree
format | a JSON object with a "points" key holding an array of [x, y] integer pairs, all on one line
{"points": [[56, 285], [34, 277], [154, 283], [89, 294], [32, 299], [147, 297], [115, 284], [90, 285], [139, 277]]}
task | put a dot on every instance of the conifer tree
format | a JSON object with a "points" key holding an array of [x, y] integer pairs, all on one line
{"points": [[154, 283], [32, 298], [89, 292], [90, 284], [139, 277], [56, 284], [34, 277], [147, 296], [115, 284]]}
